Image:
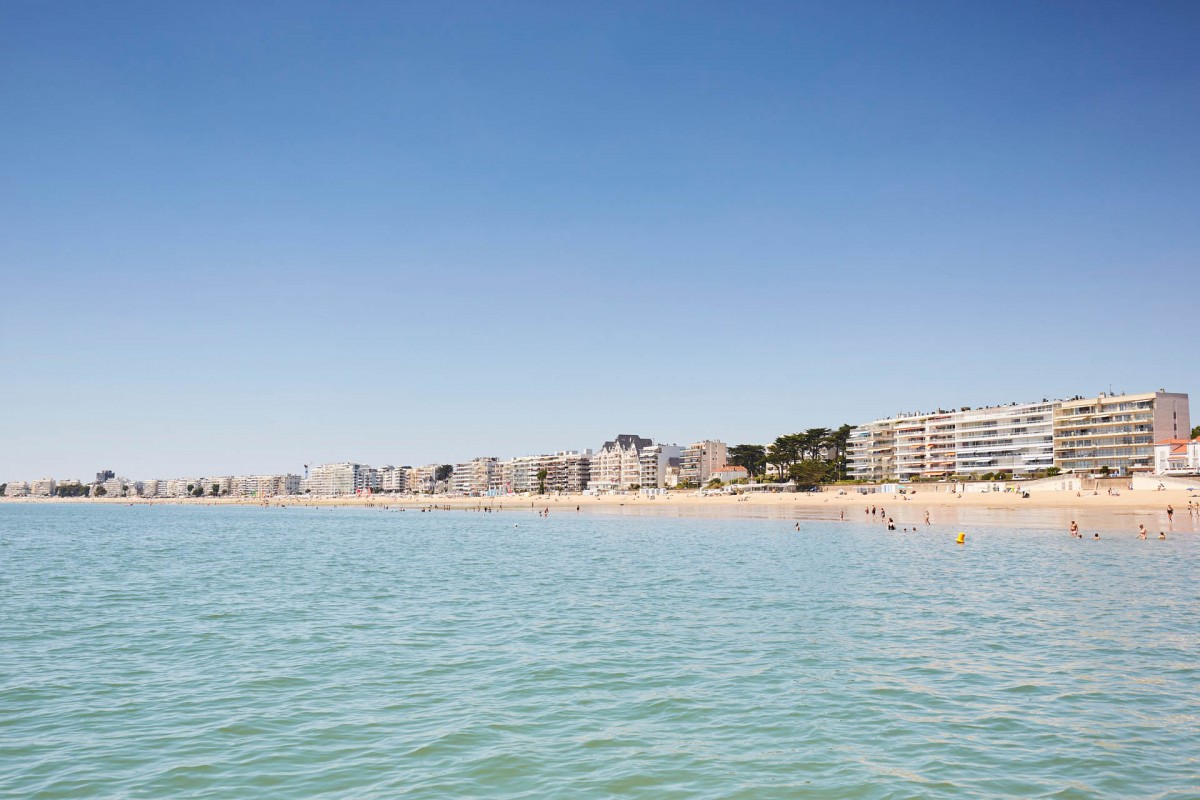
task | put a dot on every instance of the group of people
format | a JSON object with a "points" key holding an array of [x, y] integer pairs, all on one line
{"points": [[1075, 533]]}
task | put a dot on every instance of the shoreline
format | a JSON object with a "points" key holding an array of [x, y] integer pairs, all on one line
{"points": [[1006, 509]]}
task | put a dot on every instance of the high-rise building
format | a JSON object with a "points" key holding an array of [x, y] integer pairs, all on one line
{"points": [[617, 466], [1117, 431], [1020, 439], [700, 460]]}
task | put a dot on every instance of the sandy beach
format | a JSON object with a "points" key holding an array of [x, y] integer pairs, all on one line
{"points": [[1045, 509]]}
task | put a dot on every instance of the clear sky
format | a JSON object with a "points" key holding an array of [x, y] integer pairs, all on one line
{"points": [[240, 237]]}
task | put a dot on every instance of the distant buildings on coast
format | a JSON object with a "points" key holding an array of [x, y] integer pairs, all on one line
{"points": [[1115, 434]]}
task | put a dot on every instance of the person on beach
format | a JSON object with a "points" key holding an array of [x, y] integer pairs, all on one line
{"points": [[1141, 531], [1074, 529], [1170, 513], [927, 516], [891, 525]]}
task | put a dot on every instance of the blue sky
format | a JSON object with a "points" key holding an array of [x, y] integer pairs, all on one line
{"points": [[244, 237]]}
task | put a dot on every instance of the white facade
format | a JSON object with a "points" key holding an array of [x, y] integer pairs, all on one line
{"points": [[617, 466], [17, 489], [653, 463], [346, 477], [43, 487], [473, 477], [393, 479], [1177, 457]]}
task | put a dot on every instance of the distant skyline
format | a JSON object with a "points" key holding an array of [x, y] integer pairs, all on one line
{"points": [[241, 238]]}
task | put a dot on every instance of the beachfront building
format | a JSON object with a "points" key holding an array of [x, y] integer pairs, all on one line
{"points": [[1016, 439], [1117, 432], [423, 480], [872, 451], [653, 462], [266, 485], [575, 472], [17, 489], [473, 477], [345, 477], [699, 460], [616, 466], [43, 487], [1177, 457], [150, 488], [393, 480], [730, 474]]}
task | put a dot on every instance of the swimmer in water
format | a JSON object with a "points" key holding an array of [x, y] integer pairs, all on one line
{"points": [[1096, 535], [1074, 529], [1162, 534], [1141, 531]]}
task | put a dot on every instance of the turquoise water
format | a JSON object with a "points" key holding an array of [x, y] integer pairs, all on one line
{"points": [[286, 653]]}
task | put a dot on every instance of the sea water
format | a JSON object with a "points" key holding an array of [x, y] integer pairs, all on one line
{"points": [[202, 652]]}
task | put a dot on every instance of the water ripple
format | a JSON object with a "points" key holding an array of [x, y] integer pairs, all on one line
{"points": [[226, 653]]}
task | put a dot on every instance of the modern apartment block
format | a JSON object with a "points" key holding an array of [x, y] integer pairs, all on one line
{"points": [[617, 465], [700, 460], [653, 462], [393, 479], [1021, 439], [43, 487], [1015, 439], [872, 451], [473, 477], [346, 477], [1117, 431]]}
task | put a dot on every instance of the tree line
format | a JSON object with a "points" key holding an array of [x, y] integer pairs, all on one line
{"points": [[810, 458]]}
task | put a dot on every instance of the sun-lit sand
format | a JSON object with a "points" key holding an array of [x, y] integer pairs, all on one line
{"points": [[1042, 509]]}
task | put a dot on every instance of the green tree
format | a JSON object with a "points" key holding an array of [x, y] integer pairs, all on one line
{"points": [[216, 489], [3, 489], [811, 442], [810, 472], [1104, 470], [1196, 432], [542, 474], [784, 451], [443, 472], [1052, 471], [838, 443], [751, 456], [101, 491]]}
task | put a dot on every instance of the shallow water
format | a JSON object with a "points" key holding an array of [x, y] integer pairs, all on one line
{"points": [[246, 652]]}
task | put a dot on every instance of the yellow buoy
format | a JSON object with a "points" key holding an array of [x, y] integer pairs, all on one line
{"points": [[962, 537]]}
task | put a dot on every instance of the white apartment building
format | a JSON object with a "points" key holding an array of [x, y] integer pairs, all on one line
{"points": [[698, 461], [393, 479], [17, 489], [473, 477], [617, 466], [575, 471], [150, 488], [1021, 439], [872, 451], [1016, 439], [653, 463], [43, 487], [345, 477]]}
